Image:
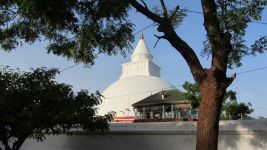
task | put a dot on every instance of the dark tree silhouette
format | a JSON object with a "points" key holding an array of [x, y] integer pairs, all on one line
{"points": [[33, 104]]}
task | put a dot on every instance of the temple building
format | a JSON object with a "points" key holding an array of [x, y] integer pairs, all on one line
{"points": [[167, 105], [140, 78]]}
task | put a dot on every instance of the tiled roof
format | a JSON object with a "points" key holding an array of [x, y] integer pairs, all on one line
{"points": [[170, 96]]}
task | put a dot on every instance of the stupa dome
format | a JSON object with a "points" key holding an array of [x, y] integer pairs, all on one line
{"points": [[140, 78]]}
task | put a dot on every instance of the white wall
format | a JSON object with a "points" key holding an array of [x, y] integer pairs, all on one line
{"points": [[234, 135]]}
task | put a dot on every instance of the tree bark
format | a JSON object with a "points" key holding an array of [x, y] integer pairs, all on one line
{"points": [[212, 91]]}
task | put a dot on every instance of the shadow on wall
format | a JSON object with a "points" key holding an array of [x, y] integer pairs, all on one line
{"points": [[243, 135]]}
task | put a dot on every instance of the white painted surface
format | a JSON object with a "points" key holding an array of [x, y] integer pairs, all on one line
{"points": [[141, 52], [120, 96], [139, 79], [234, 135], [141, 62]]}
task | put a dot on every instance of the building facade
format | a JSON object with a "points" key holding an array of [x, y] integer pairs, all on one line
{"points": [[164, 106]]}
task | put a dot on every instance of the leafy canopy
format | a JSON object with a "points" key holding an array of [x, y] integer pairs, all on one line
{"points": [[33, 104], [81, 29], [75, 29]]}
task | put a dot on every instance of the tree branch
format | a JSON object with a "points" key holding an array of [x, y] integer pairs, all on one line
{"points": [[211, 22], [164, 9], [159, 37], [188, 54], [181, 46], [221, 44], [223, 9], [144, 3], [174, 12], [230, 80], [145, 11], [10, 18]]}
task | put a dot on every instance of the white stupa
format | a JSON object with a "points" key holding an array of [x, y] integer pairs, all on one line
{"points": [[139, 79]]}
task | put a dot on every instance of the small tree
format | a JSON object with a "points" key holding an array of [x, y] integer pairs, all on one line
{"points": [[33, 104], [231, 108], [236, 111]]}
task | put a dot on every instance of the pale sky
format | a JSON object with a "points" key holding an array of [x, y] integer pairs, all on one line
{"points": [[250, 87]]}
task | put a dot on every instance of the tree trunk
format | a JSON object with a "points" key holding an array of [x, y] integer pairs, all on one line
{"points": [[212, 82], [212, 91]]}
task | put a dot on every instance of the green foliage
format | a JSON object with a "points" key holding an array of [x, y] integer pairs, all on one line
{"points": [[75, 29], [234, 17], [192, 93], [80, 30], [259, 46], [33, 104], [236, 111], [175, 15], [231, 109], [230, 96]]}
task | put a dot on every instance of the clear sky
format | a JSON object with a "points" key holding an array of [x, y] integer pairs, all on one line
{"points": [[250, 87]]}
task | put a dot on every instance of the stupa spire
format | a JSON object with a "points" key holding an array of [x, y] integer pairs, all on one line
{"points": [[142, 36], [141, 51], [141, 62]]}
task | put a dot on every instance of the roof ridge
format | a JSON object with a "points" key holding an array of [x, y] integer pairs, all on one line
{"points": [[173, 95]]}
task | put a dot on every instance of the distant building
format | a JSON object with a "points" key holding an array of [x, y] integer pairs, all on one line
{"points": [[167, 105]]}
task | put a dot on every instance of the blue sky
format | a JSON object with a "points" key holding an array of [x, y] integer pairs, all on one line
{"points": [[250, 87]]}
